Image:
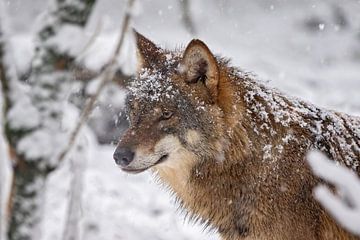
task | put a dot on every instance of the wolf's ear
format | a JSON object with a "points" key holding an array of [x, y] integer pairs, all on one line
{"points": [[149, 55], [200, 65]]}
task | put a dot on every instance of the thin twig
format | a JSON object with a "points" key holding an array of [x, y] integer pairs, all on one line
{"points": [[91, 41], [107, 75], [83, 74]]}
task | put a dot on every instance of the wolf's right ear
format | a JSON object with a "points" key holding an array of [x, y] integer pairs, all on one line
{"points": [[149, 55], [200, 65]]}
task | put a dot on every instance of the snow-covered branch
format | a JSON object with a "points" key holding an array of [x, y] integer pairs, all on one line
{"points": [[344, 206], [59, 37]]}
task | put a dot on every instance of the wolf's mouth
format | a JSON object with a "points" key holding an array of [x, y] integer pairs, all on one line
{"points": [[136, 171], [162, 159]]}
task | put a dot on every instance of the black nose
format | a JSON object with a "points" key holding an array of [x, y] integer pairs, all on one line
{"points": [[123, 156]]}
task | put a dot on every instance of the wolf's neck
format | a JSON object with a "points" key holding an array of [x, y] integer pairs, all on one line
{"points": [[175, 174]]}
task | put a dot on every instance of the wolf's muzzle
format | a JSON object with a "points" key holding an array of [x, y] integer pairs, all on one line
{"points": [[123, 156]]}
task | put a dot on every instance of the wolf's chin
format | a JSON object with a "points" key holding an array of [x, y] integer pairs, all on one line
{"points": [[162, 159]]}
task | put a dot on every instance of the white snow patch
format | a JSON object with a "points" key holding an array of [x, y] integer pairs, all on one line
{"points": [[69, 39], [345, 205], [41, 144], [153, 86], [23, 114]]}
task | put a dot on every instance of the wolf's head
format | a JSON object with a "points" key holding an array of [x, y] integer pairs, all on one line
{"points": [[174, 108]]}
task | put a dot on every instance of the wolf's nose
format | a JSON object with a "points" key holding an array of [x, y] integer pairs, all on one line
{"points": [[123, 156]]}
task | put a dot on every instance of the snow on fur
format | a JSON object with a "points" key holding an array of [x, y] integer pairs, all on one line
{"points": [[152, 86], [339, 131]]}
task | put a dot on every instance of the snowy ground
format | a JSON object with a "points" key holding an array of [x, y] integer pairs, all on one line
{"points": [[310, 49]]}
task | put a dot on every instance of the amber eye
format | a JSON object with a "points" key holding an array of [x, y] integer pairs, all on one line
{"points": [[166, 115]]}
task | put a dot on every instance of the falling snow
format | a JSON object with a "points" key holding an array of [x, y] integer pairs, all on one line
{"points": [[297, 47]]}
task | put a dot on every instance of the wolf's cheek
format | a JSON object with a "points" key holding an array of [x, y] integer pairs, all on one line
{"points": [[179, 157], [168, 144], [192, 137]]}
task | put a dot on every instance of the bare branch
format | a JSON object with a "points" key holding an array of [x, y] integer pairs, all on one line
{"points": [[108, 74], [81, 73], [91, 41]]}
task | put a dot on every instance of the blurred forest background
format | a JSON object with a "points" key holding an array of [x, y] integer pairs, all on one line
{"points": [[59, 57]]}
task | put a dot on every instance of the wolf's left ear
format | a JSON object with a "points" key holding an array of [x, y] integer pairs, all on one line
{"points": [[149, 55], [200, 65]]}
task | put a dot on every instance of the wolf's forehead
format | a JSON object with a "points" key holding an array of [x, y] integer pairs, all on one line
{"points": [[153, 86]]}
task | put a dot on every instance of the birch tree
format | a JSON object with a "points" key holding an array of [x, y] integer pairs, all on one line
{"points": [[34, 119]]}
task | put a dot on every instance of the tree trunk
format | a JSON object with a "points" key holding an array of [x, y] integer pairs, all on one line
{"points": [[26, 202], [33, 119]]}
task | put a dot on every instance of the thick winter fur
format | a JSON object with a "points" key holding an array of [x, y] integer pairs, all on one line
{"points": [[232, 149]]}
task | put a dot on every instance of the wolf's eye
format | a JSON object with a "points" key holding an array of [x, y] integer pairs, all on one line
{"points": [[166, 115]]}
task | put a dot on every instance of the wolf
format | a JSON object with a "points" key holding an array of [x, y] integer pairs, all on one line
{"points": [[231, 148]]}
